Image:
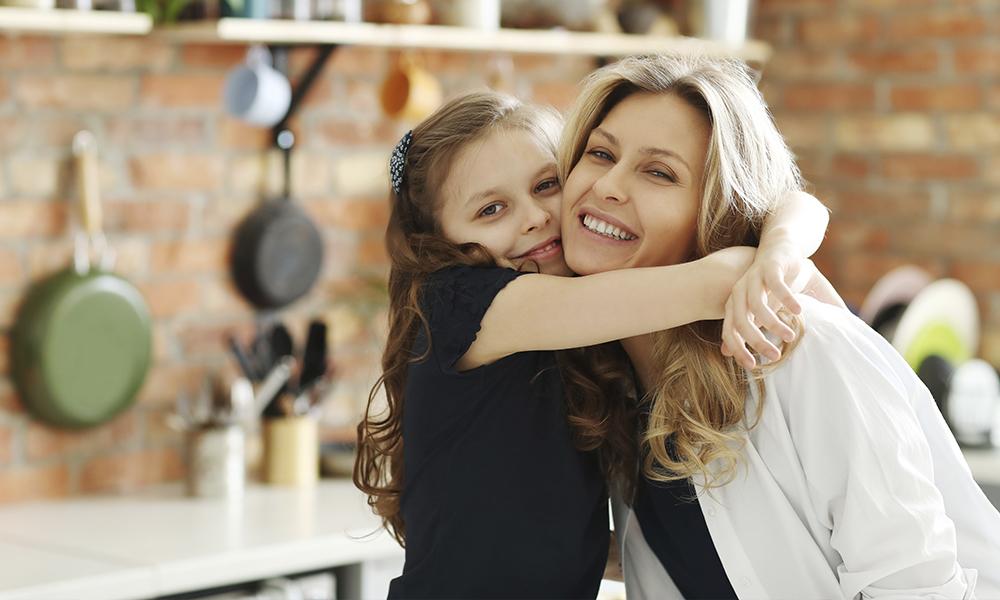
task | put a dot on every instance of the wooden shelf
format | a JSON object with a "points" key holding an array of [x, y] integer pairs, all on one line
{"points": [[232, 30], [63, 21]]}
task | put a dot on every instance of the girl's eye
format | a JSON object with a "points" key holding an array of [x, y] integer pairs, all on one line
{"points": [[548, 184], [600, 154], [491, 210]]}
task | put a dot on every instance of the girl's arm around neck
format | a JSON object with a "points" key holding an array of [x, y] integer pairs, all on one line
{"points": [[799, 223], [545, 312]]}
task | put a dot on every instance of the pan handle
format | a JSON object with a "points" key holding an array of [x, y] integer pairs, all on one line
{"points": [[285, 140], [88, 186]]}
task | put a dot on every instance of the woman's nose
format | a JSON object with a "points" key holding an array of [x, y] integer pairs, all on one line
{"points": [[537, 216], [610, 186]]}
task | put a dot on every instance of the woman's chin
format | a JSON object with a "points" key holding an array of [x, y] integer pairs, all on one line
{"points": [[588, 264]]}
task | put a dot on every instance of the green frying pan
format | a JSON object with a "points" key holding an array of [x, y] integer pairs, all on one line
{"points": [[82, 341]]}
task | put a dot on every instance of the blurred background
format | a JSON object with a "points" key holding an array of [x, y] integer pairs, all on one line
{"points": [[891, 107]]}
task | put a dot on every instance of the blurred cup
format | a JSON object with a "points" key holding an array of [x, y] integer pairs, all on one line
{"points": [[409, 92], [291, 451], [256, 92], [216, 466]]}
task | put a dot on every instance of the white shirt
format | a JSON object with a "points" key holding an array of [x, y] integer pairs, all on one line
{"points": [[850, 486]]}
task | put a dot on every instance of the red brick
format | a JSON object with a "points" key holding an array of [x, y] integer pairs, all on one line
{"points": [[993, 96], [847, 165], [165, 383], [941, 96], [372, 252], [978, 61], [45, 442], [894, 61], [771, 28], [353, 215], [975, 207], [237, 134], [213, 56], [115, 53], [147, 217], [352, 132], [828, 96], [104, 93], [926, 167], [187, 171], [11, 266], [559, 94], [20, 219], [844, 30], [891, 205], [802, 64], [980, 275], [131, 132], [6, 445], [359, 60], [920, 26], [27, 52], [10, 402], [127, 472], [899, 131], [203, 339], [20, 484], [187, 90], [766, 6], [803, 130], [973, 131], [191, 256], [172, 297], [943, 240], [857, 235]]}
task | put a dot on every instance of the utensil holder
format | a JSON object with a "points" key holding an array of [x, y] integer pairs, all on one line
{"points": [[216, 462], [291, 451]]}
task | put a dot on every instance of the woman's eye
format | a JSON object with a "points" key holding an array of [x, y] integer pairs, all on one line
{"points": [[663, 175], [548, 184], [601, 154], [491, 210]]}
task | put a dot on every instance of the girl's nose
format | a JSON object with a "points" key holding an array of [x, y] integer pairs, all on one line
{"points": [[536, 217]]}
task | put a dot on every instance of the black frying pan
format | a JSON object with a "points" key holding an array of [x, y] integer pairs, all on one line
{"points": [[277, 251]]}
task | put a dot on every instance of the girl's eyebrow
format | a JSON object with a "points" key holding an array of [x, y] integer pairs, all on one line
{"points": [[649, 150], [480, 196]]}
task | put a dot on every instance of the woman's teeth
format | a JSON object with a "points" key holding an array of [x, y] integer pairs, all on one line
{"points": [[606, 229]]}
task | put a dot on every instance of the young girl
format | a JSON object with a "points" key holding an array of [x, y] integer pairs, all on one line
{"points": [[473, 462]]}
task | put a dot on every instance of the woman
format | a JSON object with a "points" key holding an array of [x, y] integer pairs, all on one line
{"points": [[829, 473]]}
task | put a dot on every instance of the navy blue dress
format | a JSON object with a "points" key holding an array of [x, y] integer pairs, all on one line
{"points": [[675, 529], [497, 502]]}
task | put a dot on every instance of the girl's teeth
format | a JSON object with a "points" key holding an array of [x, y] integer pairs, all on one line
{"points": [[603, 228]]}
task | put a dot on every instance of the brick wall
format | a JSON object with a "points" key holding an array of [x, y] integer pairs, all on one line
{"points": [[176, 175], [890, 105], [893, 108]]}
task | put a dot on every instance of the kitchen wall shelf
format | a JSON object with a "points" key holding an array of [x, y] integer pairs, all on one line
{"points": [[282, 32], [64, 21]]}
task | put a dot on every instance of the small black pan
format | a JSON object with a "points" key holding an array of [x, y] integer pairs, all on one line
{"points": [[278, 251]]}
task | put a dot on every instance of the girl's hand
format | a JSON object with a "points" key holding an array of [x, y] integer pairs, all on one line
{"points": [[777, 273]]}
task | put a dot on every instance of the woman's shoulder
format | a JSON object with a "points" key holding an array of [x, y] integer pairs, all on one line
{"points": [[837, 350]]}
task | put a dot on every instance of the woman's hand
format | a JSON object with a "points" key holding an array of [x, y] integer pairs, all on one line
{"points": [[777, 273]]}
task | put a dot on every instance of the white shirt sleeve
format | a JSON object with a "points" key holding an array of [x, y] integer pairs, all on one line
{"points": [[868, 465]]}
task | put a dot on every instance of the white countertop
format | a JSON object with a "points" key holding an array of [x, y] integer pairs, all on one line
{"points": [[160, 542]]}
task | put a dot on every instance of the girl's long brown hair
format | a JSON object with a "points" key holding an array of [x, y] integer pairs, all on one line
{"points": [[416, 249]]}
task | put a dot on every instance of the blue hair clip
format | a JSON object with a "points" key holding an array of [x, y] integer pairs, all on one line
{"points": [[397, 161]]}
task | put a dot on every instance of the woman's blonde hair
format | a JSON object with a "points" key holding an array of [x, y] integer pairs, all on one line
{"points": [[699, 400]]}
